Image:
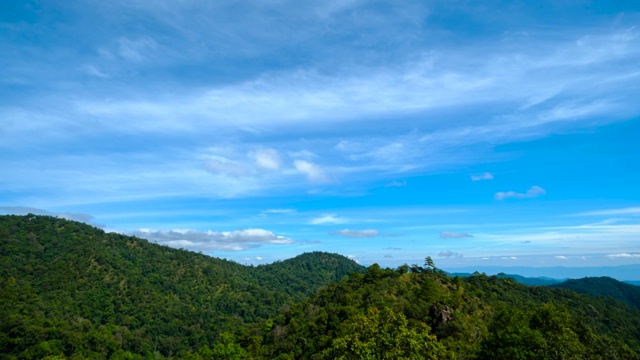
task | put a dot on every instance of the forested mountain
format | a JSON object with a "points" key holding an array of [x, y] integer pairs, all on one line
{"points": [[69, 287], [605, 286], [71, 291], [532, 281], [421, 313]]}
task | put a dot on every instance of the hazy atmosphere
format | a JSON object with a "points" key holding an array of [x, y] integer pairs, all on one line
{"points": [[477, 133]]}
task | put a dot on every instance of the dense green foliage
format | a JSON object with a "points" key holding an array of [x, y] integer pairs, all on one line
{"points": [[532, 281], [66, 287], [68, 290], [421, 313], [605, 286]]}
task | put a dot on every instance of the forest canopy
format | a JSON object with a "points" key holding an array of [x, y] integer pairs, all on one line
{"points": [[69, 290]]}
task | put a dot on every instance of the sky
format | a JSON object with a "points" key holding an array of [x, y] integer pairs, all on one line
{"points": [[479, 133]]}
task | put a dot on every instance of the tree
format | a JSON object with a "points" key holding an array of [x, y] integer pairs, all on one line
{"points": [[429, 264], [511, 338], [383, 334]]}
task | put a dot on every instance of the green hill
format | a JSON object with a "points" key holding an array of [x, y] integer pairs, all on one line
{"points": [[71, 291], [531, 281], [605, 286], [421, 313], [66, 287]]}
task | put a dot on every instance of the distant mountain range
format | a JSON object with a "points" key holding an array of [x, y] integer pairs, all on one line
{"points": [[604, 286], [534, 281], [625, 273]]}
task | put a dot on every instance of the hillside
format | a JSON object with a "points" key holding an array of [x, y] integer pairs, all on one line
{"points": [[531, 281], [72, 288], [68, 290], [605, 286], [421, 313]]}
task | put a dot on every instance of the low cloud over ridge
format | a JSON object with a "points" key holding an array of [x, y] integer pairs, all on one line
{"points": [[212, 240]]}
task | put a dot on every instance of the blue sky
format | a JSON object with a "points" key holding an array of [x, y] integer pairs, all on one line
{"points": [[477, 133]]}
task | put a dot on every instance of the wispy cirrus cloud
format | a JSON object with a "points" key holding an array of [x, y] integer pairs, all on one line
{"points": [[313, 172], [533, 192], [454, 235], [356, 233], [267, 159], [396, 183], [628, 211], [278, 211], [483, 176], [624, 255], [328, 219], [276, 105]]}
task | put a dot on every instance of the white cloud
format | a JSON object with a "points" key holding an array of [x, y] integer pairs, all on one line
{"points": [[630, 211], [195, 240], [533, 192], [356, 233], [268, 159], [136, 50], [302, 154], [453, 235], [483, 176], [449, 254], [328, 219], [552, 240], [312, 171], [561, 257], [221, 165], [278, 211], [396, 183], [624, 255]]}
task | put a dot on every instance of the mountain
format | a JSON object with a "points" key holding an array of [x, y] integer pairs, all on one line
{"points": [[72, 288], [422, 313], [531, 281], [622, 272], [71, 291], [537, 281], [605, 286]]}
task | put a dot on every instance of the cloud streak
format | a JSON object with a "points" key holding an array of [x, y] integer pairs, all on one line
{"points": [[454, 235], [327, 219], [483, 176], [356, 233], [629, 211], [533, 192], [449, 254], [237, 240]]}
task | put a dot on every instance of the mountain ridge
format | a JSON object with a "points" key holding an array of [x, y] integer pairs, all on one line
{"points": [[623, 273], [69, 290], [70, 276], [604, 286]]}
